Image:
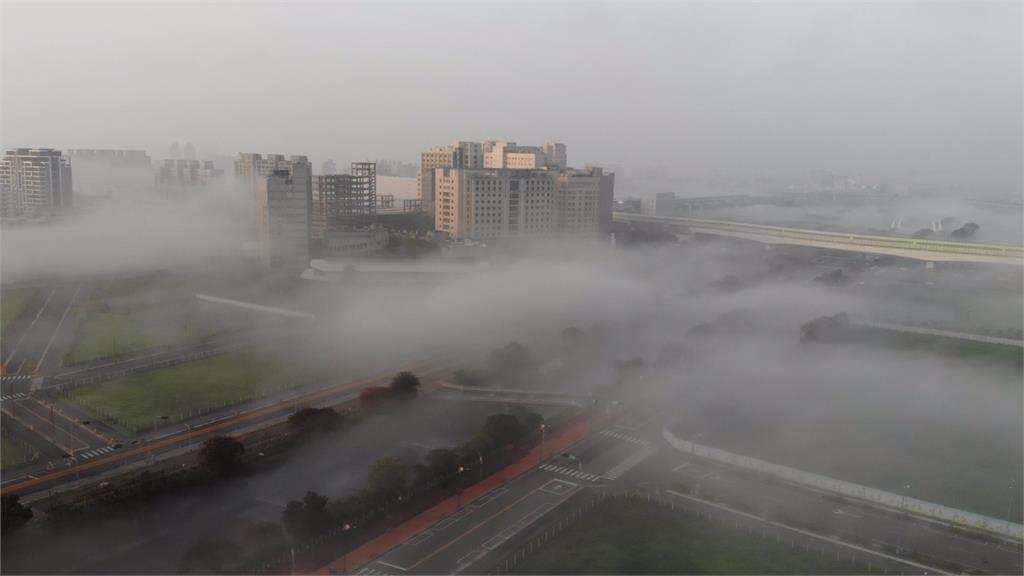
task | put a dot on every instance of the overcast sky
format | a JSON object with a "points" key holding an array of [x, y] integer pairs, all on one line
{"points": [[914, 91]]}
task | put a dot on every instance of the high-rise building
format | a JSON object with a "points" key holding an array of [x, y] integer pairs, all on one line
{"points": [[460, 154], [33, 182], [285, 200], [519, 191], [328, 167], [101, 172], [484, 203], [190, 151]]}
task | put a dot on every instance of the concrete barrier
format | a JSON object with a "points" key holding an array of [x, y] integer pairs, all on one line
{"points": [[900, 502]]}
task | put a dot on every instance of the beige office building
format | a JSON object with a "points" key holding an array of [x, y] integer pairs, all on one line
{"points": [[459, 154]]}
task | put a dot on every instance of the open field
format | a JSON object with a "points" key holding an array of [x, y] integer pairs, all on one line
{"points": [[12, 302], [136, 402], [12, 453], [136, 314], [635, 537]]}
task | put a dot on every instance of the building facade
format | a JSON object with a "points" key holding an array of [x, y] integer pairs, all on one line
{"points": [[285, 200], [520, 191], [460, 154], [34, 182]]}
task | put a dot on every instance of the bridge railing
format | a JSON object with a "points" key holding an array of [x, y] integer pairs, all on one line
{"points": [[993, 250]]}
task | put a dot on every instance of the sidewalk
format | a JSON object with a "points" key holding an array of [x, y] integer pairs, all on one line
{"points": [[556, 443]]}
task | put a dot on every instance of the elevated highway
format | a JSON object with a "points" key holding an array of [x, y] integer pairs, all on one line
{"points": [[917, 249]]}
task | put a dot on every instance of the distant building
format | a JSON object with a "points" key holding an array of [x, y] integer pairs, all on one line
{"points": [[101, 172], [34, 182], [328, 167], [183, 174], [519, 191], [285, 199], [460, 154], [190, 151]]}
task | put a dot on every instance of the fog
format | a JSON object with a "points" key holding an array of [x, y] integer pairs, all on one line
{"points": [[923, 93]]}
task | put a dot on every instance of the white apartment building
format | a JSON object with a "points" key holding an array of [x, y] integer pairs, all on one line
{"points": [[285, 199], [33, 182]]}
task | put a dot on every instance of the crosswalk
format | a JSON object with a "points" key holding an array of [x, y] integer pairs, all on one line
{"points": [[96, 452], [15, 396], [628, 464], [580, 475], [16, 378], [625, 437]]}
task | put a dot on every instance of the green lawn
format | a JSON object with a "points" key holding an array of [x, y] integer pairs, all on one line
{"points": [[636, 537], [104, 331], [139, 313], [12, 453], [12, 302], [136, 402]]}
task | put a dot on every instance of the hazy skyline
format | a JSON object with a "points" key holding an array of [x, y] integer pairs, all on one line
{"points": [[925, 92]]}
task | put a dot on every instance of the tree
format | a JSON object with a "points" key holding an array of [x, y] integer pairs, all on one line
{"points": [[309, 420], [504, 429], [388, 477], [221, 455], [263, 540], [825, 327], [468, 377], [440, 465], [308, 518], [510, 359], [405, 383], [14, 513]]}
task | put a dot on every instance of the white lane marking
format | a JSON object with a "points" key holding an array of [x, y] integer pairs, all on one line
{"points": [[23, 334], [53, 336], [628, 464]]}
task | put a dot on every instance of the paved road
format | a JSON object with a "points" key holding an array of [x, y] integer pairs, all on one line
{"points": [[38, 346], [631, 455]]}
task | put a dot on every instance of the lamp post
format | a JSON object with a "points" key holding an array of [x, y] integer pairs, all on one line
{"points": [[1009, 501], [543, 434], [458, 488]]}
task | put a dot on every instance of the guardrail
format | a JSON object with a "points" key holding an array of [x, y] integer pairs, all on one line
{"points": [[938, 246], [849, 489]]}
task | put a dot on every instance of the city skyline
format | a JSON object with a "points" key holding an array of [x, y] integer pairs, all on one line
{"points": [[718, 90]]}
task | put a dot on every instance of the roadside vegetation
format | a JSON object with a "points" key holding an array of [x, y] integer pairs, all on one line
{"points": [[637, 537], [13, 302], [141, 401], [13, 453]]}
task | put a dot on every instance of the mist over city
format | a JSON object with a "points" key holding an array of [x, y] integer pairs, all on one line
{"points": [[512, 288]]}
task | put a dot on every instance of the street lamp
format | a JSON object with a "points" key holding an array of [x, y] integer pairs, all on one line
{"points": [[543, 431], [458, 488], [1009, 501]]}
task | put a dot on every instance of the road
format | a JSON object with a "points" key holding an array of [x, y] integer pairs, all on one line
{"points": [[631, 456], [39, 336]]}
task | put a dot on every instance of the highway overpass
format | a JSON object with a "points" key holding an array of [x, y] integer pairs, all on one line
{"points": [[918, 249]]}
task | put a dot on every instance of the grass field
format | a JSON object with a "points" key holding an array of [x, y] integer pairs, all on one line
{"points": [[12, 453], [12, 302], [136, 402], [635, 537], [144, 312]]}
